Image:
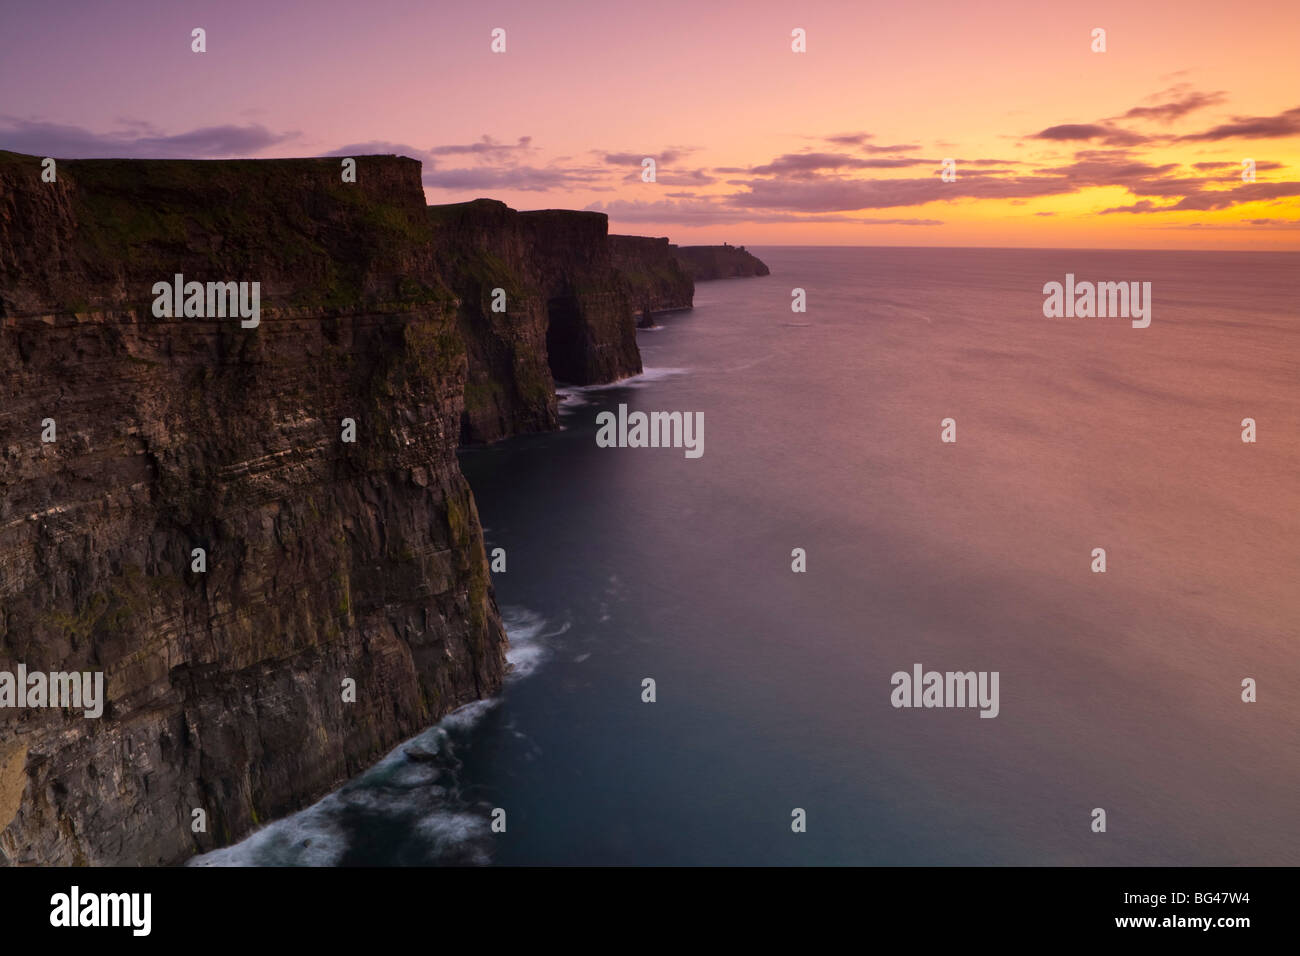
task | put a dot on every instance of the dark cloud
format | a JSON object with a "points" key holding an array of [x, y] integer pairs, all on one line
{"points": [[901, 148], [1247, 192], [703, 212], [634, 159], [375, 147], [1206, 200], [1072, 131], [1101, 170], [1165, 107], [138, 141], [1105, 133], [1234, 167], [1094, 168], [521, 178], [1184, 100], [486, 149], [497, 166], [848, 139], [807, 165], [859, 140], [690, 177], [1286, 123], [894, 163], [1145, 205], [842, 194], [486, 146], [1241, 224], [1172, 186]]}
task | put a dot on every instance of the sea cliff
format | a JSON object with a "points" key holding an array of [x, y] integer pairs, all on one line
{"points": [[326, 561], [657, 279], [259, 534], [719, 262]]}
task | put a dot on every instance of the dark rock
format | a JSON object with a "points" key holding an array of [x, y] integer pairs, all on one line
{"points": [[325, 560], [572, 298], [657, 280], [719, 262]]}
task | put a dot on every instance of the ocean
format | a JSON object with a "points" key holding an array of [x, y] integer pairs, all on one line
{"points": [[1119, 691]]}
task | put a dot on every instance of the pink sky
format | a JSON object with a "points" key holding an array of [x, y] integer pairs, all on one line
{"points": [[1055, 145]]}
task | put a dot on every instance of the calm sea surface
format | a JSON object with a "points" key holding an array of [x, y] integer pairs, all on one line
{"points": [[1119, 690]]}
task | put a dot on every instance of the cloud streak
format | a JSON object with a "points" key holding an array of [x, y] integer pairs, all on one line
{"points": [[139, 141]]}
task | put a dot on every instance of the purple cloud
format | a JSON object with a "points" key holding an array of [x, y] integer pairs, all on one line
{"points": [[1184, 101], [486, 146], [139, 141], [704, 212], [1286, 123], [807, 165], [1109, 135]]}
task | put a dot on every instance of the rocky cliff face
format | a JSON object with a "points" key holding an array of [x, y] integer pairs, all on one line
{"points": [[273, 606], [481, 246], [719, 262], [570, 294], [656, 277], [326, 561], [591, 337]]}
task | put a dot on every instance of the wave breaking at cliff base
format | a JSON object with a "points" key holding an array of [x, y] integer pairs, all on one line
{"points": [[411, 801]]}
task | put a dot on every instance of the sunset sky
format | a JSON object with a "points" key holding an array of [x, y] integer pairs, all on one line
{"points": [[1137, 147]]}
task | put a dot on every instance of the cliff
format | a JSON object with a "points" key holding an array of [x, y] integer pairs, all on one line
{"points": [[343, 601], [326, 560], [719, 262], [481, 246], [656, 277], [571, 295]]}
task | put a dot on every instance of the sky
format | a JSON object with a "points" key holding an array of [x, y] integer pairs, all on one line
{"points": [[1054, 144]]}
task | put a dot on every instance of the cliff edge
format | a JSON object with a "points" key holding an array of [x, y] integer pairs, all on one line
{"points": [[719, 262], [232, 395], [343, 602], [543, 297]]}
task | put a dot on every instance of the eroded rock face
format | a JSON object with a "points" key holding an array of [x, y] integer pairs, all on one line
{"points": [[592, 334], [571, 294], [657, 279], [328, 563], [481, 246], [326, 560], [719, 262]]}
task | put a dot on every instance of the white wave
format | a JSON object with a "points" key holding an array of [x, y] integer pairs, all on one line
{"points": [[448, 832], [647, 377], [527, 633], [463, 718], [415, 784], [310, 837], [570, 398], [575, 394]]}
